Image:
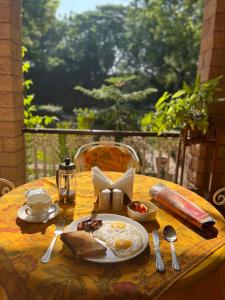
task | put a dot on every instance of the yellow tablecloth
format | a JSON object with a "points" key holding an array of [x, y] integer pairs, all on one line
{"points": [[22, 244]]}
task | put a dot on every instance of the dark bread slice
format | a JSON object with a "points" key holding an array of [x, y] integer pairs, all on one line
{"points": [[82, 244]]}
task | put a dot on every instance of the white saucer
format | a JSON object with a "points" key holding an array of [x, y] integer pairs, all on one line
{"points": [[23, 215]]}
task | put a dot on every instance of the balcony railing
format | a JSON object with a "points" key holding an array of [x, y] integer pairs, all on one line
{"points": [[46, 148]]}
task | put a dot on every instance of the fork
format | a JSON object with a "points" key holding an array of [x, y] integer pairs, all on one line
{"points": [[58, 230]]}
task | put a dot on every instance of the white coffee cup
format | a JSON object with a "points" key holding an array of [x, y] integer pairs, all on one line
{"points": [[38, 204]]}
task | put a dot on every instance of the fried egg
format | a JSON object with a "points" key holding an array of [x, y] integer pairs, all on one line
{"points": [[123, 239]]}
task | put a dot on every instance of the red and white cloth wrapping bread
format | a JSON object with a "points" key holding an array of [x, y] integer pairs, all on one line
{"points": [[180, 205]]}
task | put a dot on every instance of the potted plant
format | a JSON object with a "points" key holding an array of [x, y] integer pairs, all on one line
{"points": [[186, 110]]}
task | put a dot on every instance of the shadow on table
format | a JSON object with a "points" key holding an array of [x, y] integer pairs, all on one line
{"points": [[66, 213], [30, 228]]}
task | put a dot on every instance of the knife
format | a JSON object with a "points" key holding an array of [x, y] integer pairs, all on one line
{"points": [[158, 258]]}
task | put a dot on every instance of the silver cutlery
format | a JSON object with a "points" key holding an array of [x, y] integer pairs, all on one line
{"points": [[58, 230], [158, 258], [50, 211], [170, 235], [46, 218]]}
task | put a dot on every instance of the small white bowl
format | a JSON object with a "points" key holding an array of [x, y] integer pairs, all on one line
{"points": [[150, 215]]}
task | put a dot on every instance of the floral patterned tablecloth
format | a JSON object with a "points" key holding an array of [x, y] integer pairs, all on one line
{"points": [[24, 277]]}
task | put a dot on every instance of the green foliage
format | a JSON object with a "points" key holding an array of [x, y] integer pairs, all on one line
{"points": [[158, 39], [63, 151], [85, 118], [40, 28], [122, 103], [80, 49], [186, 108], [91, 55], [163, 39], [30, 119], [115, 94]]}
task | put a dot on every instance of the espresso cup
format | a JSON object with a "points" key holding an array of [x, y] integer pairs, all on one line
{"points": [[38, 204]]}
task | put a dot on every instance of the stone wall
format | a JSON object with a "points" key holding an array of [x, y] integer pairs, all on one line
{"points": [[12, 152], [211, 64]]}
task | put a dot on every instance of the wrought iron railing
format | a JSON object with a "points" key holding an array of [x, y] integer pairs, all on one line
{"points": [[46, 147]]}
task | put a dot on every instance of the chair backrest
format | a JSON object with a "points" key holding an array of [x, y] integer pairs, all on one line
{"points": [[107, 155], [219, 197], [5, 186]]}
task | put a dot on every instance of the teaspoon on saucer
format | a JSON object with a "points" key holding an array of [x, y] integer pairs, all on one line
{"points": [[169, 234], [51, 210]]}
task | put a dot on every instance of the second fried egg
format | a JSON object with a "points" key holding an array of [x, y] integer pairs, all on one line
{"points": [[123, 239]]}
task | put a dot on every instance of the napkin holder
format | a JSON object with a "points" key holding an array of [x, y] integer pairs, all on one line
{"points": [[102, 182], [126, 199]]}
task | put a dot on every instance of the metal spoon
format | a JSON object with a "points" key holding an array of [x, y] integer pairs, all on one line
{"points": [[169, 234], [51, 210]]}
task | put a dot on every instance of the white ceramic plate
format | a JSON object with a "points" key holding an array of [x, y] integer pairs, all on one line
{"points": [[109, 256], [23, 215]]}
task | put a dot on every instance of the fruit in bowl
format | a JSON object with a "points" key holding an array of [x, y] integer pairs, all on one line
{"points": [[142, 211], [139, 207]]}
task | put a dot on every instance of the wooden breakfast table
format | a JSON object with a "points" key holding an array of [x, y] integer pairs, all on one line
{"points": [[24, 277]]}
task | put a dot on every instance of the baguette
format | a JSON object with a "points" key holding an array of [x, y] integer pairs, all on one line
{"points": [[82, 244]]}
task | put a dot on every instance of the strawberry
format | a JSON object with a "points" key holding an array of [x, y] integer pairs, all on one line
{"points": [[141, 208]]}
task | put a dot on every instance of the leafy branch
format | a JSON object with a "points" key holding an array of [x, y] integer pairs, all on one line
{"points": [[186, 108], [31, 120], [125, 104]]}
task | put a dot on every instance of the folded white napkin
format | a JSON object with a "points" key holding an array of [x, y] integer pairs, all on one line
{"points": [[124, 183]]}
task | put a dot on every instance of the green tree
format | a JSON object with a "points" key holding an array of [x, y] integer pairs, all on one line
{"points": [[123, 110], [31, 118], [80, 49], [163, 40], [40, 30], [157, 39], [92, 42]]}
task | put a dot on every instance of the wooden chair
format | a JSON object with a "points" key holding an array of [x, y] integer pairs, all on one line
{"points": [[5, 186], [107, 155]]}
